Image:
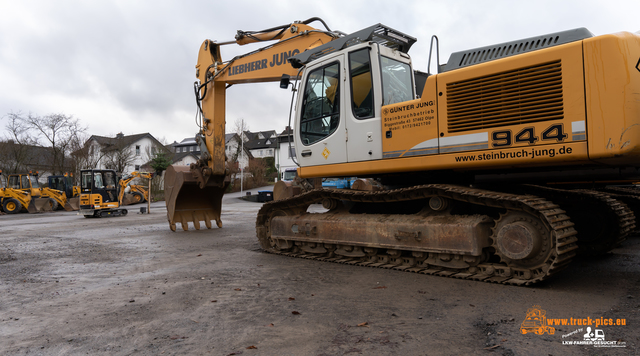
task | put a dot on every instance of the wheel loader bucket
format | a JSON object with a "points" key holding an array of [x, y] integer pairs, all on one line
{"points": [[187, 202], [128, 199], [39, 205], [72, 204]]}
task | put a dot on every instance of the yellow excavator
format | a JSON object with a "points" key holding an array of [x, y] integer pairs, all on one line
{"points": [[100, 193], [500, 167], [133, 193]]}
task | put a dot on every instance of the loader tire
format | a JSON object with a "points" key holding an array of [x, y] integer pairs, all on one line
{"points": [[11, 206], [54, 204], [137, 198]]}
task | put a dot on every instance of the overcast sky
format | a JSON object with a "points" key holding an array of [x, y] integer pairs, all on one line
{"points": [[128, 66]]}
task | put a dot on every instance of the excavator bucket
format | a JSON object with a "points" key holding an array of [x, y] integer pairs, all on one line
{"points": [[39, 205], [187, 202], [72, 204]]}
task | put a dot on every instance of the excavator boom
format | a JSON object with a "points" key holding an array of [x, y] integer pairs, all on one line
{"points": [[194, 193]]}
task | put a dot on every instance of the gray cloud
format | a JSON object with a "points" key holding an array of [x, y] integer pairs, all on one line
{"points": [[129, 66]]}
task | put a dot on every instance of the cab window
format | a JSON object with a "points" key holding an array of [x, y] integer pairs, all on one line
{"points": [[24, 181], [321, 104], [58, 183], [34, 182], [361, 84], [97, 180], [86, 182], [396, 81], [110, 180], [14, 182]]}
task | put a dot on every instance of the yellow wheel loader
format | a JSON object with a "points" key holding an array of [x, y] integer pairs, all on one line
{"points": [[133, 193], [13, 201], [28, 184], [501, 166]]}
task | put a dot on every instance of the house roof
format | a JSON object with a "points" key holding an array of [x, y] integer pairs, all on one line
{"points": [[286, 132], [31, 157], [123, 140], [267, 141], [179, 156], [229, 136], [189, 141]]}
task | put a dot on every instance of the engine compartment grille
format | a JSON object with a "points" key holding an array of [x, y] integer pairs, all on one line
{"points": [[529, 94]]}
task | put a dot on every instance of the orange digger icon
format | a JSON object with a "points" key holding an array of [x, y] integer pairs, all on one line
{"points": [[536, 322]]}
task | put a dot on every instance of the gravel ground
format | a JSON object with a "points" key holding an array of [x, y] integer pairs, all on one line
{"points": [[129, 286]]}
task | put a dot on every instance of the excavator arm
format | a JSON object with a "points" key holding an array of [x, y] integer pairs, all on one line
{"points": [[195, 193]]}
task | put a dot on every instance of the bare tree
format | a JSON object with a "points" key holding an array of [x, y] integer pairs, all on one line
{"points": [[14, 152], [85, 153], [58, 131], [239, 128], [118, 156], [258, 170]]}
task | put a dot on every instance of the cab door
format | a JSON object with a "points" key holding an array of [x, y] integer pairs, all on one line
{"points": [[320, 133], [363, 111]]}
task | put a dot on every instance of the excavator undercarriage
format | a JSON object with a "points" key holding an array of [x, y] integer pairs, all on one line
{"points": [[444, 230]]}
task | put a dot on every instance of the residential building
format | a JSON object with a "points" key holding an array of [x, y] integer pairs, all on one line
{"points": [[184, 158], [233, 147], [123, 153], [261, 144], [187, 145], [187, 151]]}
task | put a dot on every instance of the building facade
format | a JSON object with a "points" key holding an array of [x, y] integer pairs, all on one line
{"points": [[123, 153]]}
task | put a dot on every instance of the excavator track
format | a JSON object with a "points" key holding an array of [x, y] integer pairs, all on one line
{"points": [[629, 195], [497, 262], [603, 219]]}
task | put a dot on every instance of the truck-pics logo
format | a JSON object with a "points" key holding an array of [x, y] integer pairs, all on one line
{"points": [[536, 322], [589, 333]]}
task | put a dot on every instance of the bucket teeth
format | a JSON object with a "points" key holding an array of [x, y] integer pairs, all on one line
{"points": [[193, 217]]}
